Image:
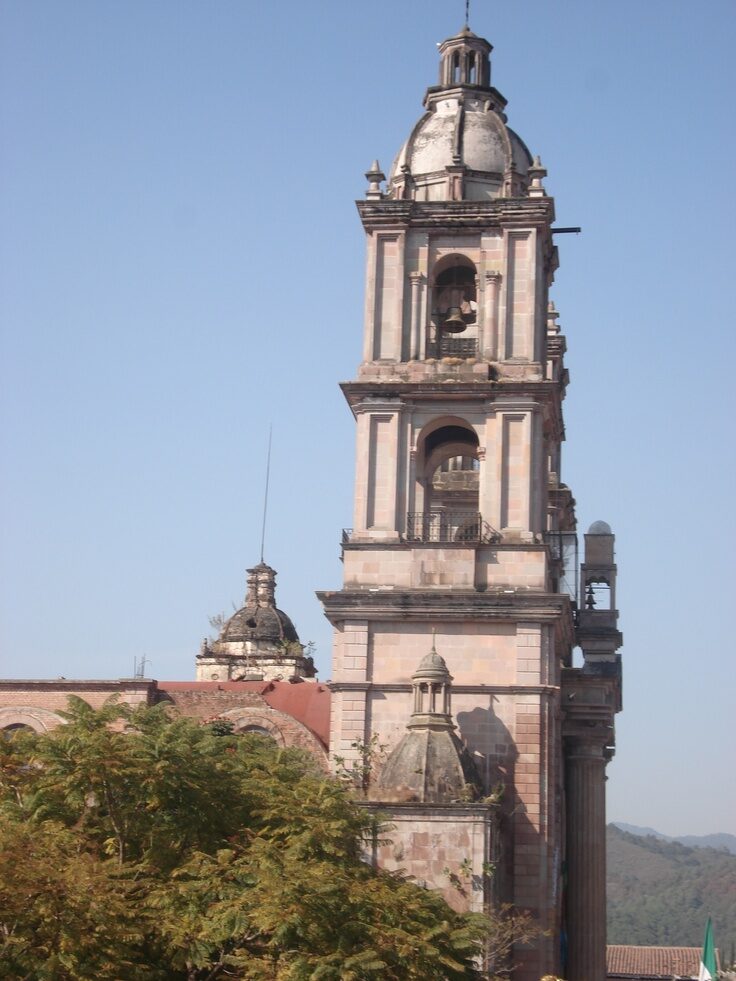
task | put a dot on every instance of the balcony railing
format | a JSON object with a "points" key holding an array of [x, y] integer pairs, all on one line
{"points": [[455, 347], [449, 526]]}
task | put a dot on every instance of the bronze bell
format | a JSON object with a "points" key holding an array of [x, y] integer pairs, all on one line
{"points": [[454, 322]]}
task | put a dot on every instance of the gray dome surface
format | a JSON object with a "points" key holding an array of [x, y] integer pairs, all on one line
{"points": [[600, 528], [265, 623], [429, 765], [487, 144]]}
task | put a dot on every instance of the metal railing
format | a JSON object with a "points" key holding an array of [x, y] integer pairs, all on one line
{"points": [[449, 526], [455, 347]]}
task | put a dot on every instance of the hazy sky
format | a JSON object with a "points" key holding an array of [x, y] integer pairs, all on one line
{"points": [[181, 264]]}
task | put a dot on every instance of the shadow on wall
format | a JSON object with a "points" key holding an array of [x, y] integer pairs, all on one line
{"points": [[495, 755]]}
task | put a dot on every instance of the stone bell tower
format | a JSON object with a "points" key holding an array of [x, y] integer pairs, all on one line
{"points": [[463, 528]]}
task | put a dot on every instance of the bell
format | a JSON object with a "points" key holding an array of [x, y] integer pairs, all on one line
{"points": [[454, 322]]}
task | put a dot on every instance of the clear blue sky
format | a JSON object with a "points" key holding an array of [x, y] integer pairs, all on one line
{"points": [[182, 264]]}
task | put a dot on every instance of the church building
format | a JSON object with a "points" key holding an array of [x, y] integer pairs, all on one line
{"points": [[454, 690]]}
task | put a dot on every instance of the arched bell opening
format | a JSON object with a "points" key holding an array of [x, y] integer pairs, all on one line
{"points": [[598, 594], [454, 308], [448, 484]]}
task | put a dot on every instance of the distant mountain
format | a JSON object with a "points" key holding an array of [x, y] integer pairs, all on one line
{"points": [[719, 841], [661, 892]]}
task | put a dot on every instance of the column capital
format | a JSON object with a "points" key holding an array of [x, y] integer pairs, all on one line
{"points": [[416, 277], [493, 276]]}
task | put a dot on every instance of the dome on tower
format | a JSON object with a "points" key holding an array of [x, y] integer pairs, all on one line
{"points": [[258, 642], [259, 619], [463, 132], [259, 623], [600, 528]]}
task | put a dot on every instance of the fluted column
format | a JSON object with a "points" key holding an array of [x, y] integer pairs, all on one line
{"points": [[586, 857]]}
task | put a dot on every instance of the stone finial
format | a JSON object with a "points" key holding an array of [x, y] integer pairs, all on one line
{"points": [[536, 174], [552, 315], [512, 182], [402, 185], [374, 175]]}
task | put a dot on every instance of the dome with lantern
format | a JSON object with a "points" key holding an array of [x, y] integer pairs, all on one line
{"points": [[463, 133]]}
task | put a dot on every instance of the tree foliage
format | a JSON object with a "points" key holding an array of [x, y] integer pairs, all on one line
{"points": [[134, 845]]}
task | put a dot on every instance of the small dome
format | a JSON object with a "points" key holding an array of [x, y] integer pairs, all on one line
{"points": [[259, 623], [600, 528], [432, 666], [429, 766]]}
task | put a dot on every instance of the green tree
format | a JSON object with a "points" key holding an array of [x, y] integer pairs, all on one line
{"points": [[134, 845]]}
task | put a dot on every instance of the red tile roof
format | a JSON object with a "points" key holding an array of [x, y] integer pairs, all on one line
{"points": [[306, 701], [652, 962]]}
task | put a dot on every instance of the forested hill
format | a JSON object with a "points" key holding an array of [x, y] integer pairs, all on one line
{"points": [[661, 892]]}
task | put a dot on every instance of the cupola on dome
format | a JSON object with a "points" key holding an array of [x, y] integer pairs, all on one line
{"points": [[461, 148]]}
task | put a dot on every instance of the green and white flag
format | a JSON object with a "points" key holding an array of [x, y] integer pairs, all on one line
{"points": [[708, 957]]}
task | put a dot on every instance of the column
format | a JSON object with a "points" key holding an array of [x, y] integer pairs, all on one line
{"points": [[586, 856], [415, 342], [489, 336]]}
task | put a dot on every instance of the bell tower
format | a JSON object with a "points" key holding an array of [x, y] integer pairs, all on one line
{"points": [[463, 529]]}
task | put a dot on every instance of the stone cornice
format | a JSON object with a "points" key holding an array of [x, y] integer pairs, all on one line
{"points": [[479, 689], [455, 606], [62, 684], [432, 812], [499, 213], [389, 390]]}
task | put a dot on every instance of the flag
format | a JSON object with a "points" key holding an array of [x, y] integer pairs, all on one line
{"points": [[708, 957]]}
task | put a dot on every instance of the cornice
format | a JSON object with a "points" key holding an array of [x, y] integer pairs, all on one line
{"points": [[62, 684], [366, 686], [499, 213], [453, 607]]}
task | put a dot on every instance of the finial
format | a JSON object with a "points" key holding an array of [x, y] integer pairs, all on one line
{"points": [[552, 326], [536, 172], [374, 175], [467, 13], [434, 638]]}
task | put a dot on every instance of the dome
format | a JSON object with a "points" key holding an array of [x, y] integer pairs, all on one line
{"points": [[463, 128], [600, 528], [259, 623], [259, 619], [432, 666], [429, 766]]}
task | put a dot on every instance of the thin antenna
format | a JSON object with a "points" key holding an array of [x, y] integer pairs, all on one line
{"points": [[467, 13], [265, 495]]}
